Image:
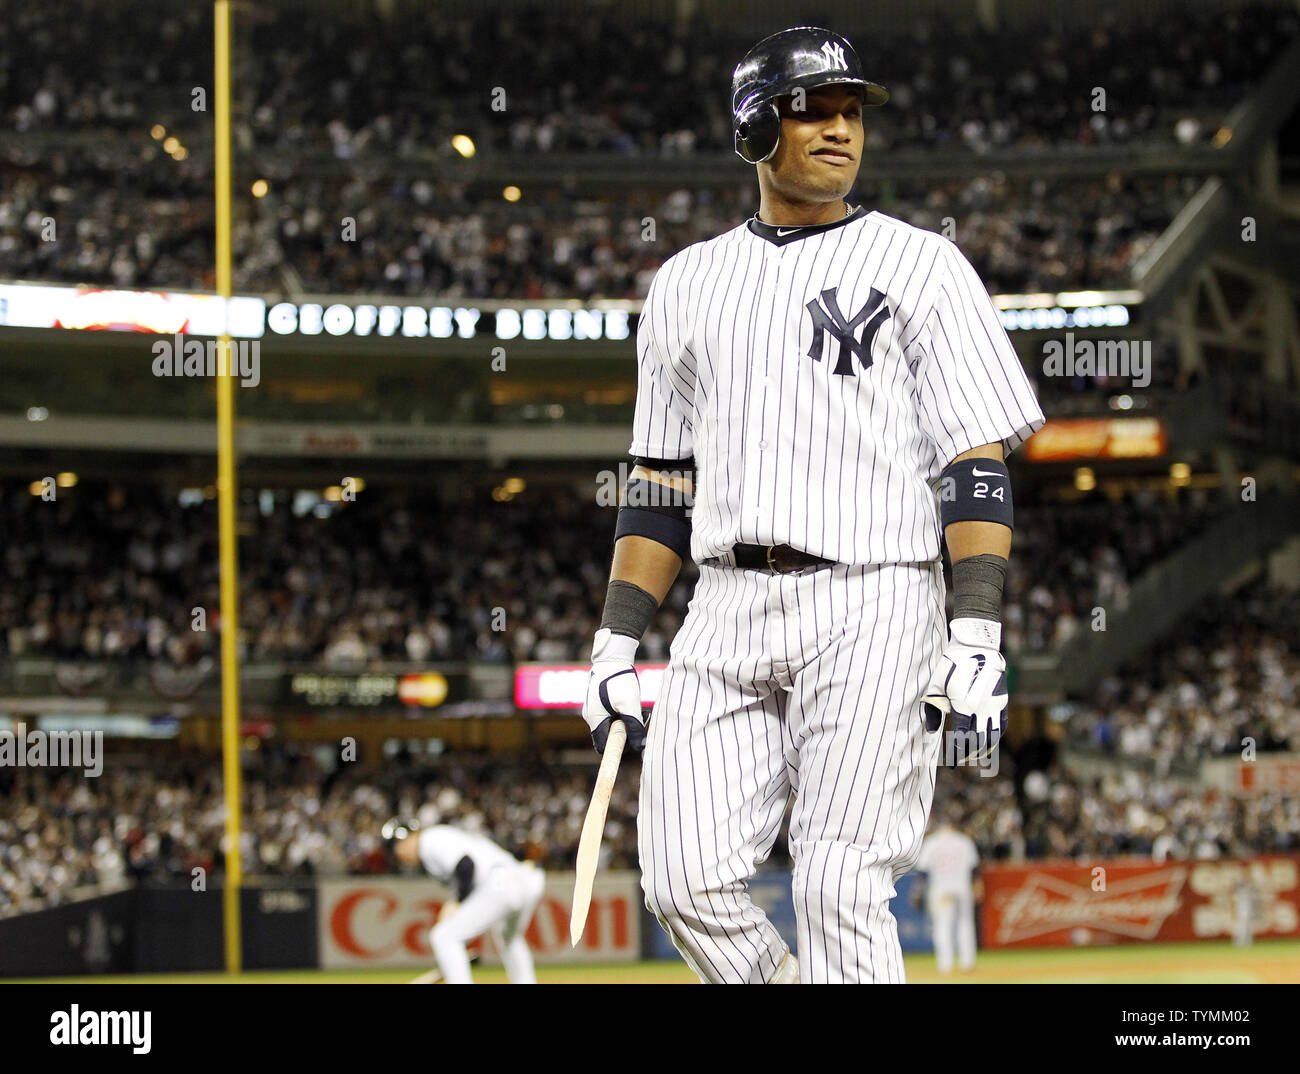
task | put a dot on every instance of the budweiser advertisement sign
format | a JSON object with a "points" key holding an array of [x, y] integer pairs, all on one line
{"points": [[385, 921], [1066, 904]]}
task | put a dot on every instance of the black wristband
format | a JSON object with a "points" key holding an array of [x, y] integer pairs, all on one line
{"points": [[977, 583], [628, 609]]}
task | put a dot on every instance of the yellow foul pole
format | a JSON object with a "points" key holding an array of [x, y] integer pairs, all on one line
{"points": [[226, 500]]}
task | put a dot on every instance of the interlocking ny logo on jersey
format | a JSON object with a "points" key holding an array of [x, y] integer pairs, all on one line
{"points": [[826, 317], [834, 55]]}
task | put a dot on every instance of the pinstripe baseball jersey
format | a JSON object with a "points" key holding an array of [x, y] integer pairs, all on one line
{"points": [[823, 377]]}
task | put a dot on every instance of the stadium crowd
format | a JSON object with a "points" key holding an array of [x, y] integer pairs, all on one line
{"points": [[1230, 687], [326, 107], [115, 572], [1068, 559], [326, 112], [1226, 685], [1054, 813], [137, 219], [60, 831], [546, 79], [1231, 676]]}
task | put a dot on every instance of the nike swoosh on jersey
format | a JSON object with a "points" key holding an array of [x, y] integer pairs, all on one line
{"points": [[984, 473]]}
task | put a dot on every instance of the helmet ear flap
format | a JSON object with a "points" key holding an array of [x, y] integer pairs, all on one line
{"points": [[758, 129]]}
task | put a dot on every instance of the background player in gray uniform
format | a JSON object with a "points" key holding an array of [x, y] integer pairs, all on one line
{"points": [[949, 859], [494, 893], [824, 393]]}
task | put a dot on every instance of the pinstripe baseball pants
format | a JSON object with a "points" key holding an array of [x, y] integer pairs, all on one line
{"points": [[806, 685]]}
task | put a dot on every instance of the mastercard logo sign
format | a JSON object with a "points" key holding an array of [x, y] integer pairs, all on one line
{"points": [[428, 690]]}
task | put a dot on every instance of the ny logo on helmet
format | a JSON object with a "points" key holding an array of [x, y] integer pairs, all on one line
{"points": [[834, 55], [826, 317]]}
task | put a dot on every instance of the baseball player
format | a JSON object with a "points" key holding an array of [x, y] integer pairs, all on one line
{"points": [[495, 893], [949, 859], [824, 393], [1245, 904]]}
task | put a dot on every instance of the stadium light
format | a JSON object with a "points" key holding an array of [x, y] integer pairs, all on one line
{"points": [[1084, 479], [66, 480], [1180, 474], [37, 413], [180, 154], [260, 188], [158, 132], [512, 193], [171, 144], [464, 145]]}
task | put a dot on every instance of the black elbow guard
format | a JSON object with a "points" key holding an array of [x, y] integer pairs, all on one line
{"points": [[669, 526], [658, 511]]}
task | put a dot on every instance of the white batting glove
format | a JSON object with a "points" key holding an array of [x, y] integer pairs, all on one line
{"points": [[971, 684], [613, 690]]}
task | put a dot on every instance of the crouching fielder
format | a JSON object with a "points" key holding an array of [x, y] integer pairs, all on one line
{"points": [[494, 893]]}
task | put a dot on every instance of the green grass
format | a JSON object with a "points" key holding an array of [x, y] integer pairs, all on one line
{"points": [[603, 973], [1270, 961]]}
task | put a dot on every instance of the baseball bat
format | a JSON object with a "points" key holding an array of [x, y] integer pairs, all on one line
{"points": [[593, 829]]}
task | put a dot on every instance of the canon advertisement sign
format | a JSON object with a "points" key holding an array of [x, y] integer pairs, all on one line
{"points": [[385, 921]]}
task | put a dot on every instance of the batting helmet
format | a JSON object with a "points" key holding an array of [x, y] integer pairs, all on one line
{"points": [[802, 57]]}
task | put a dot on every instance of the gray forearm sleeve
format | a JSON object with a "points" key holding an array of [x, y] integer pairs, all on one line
{"points": [[628, 609], [977, 583]]}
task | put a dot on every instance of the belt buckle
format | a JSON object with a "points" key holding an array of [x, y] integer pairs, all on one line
{"points": [[775, 568]]}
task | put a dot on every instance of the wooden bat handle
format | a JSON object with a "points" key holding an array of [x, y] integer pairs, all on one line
{"points": [[593, 830], [609, 762]]}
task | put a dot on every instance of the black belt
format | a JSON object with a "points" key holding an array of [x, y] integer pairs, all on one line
{"points": [[780, 559]]}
